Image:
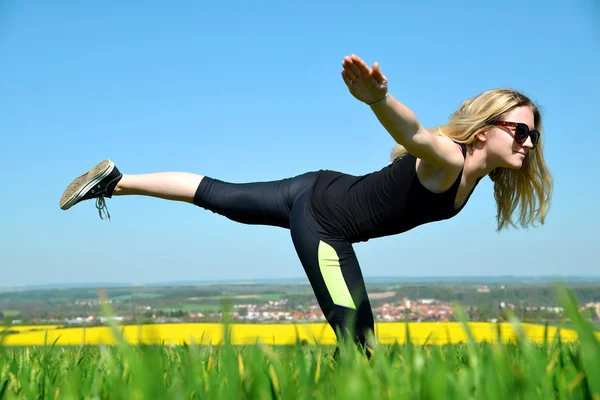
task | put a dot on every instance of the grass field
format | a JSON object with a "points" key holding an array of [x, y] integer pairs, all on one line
{"points": [[509, 367]]}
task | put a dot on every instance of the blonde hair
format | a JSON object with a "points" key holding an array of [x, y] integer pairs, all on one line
{"points": [[528, 188]]}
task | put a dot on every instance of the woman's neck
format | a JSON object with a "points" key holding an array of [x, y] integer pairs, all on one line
{"points": [[476, 164]]}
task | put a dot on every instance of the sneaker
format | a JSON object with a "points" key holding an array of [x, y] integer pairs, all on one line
{"points": [[98, 183]]}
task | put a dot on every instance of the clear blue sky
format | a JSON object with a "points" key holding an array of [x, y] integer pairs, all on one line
{"points": [[251, 91]]}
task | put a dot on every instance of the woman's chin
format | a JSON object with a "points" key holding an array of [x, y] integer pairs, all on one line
{"points": [[516, 164], [513, 164]]}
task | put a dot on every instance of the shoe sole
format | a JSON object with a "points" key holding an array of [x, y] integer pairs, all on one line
{"points": [[83, 183]]}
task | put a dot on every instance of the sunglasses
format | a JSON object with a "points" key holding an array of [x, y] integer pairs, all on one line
{"points": [[522, 131]]}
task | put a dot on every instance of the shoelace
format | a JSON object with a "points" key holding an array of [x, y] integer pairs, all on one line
{"points": [[102, 209]]}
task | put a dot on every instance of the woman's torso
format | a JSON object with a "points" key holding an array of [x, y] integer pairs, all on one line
{"points": [[382, 203]]}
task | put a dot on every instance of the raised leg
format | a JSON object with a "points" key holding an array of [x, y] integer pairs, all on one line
{"points": [[179, 186], [265, 203]]}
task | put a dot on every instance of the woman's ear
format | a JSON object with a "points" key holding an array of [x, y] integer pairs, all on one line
{"points": [[481, 135]]}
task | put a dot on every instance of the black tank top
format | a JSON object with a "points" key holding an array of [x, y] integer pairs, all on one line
{"points": [[382, 203]]}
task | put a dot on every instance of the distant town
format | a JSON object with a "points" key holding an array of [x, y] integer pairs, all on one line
{"points": [[291, 304]]}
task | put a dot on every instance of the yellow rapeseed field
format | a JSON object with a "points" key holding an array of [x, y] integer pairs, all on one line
{"points": [[276, 334], [25, 328]]}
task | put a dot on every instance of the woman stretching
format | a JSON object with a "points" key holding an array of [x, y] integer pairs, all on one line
{"points": [[431, 177]]}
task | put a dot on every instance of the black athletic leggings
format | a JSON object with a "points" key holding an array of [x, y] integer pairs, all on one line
{"points": [[328, 260]]}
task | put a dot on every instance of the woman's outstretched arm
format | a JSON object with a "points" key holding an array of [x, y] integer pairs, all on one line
{"points": [[371, 87]]}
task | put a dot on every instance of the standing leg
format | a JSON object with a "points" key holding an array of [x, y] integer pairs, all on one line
{"points": [[334, 273]]}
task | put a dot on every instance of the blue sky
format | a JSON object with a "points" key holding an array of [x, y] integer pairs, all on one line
{"points": [[251, 91]]}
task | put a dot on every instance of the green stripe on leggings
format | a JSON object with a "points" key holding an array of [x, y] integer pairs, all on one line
{"points": [[329, 263]]}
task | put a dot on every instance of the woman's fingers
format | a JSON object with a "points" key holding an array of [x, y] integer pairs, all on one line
{"points": [[362, 66], [377, 74], [346, 79], [353, 67], [348, 69]]}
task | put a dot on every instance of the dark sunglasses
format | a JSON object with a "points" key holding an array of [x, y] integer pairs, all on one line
{"points": [[521, 131]]}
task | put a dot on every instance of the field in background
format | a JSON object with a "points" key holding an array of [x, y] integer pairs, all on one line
{"points": [[565, 366], [278, 334]]}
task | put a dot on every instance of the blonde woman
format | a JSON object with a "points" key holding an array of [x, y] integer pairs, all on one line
{"points": [[431, 177]]}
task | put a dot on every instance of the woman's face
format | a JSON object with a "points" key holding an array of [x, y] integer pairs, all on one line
{"points": [[501, 147]]}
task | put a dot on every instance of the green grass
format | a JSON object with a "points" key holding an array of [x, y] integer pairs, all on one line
{"points": [[520, 370]]}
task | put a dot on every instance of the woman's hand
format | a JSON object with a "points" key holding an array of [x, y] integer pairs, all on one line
{"points": [[366, 84]]}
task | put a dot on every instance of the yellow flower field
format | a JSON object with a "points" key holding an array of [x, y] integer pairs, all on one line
{"points": [[25, 328], [276, 334]]}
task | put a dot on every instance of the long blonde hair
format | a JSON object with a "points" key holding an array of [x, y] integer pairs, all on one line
{"points": [[528, 188]]}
